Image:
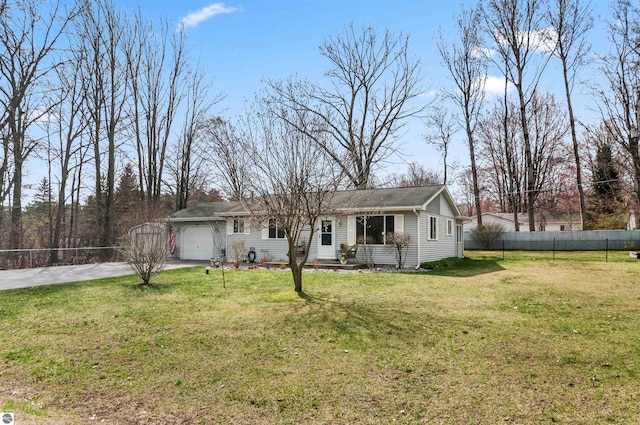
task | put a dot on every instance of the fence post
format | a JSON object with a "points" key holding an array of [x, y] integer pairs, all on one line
{"points": [[606, 251], [554, 250]]}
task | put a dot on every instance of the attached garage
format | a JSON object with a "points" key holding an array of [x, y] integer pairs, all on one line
{"points": [[197, 243]]}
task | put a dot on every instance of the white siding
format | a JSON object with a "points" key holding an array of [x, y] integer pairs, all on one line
{"points": [[385, 255], [445, 245]]}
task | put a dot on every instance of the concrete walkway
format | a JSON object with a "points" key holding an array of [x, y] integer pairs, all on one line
{"points": [[40, 276]]}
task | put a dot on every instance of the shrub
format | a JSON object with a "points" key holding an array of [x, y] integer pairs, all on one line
{"points": [[399, 242], [487, 234], [146, 253], [366, 247], [239, 252]]}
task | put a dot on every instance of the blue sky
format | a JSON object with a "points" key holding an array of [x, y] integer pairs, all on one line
{"points": [[242, 44]]}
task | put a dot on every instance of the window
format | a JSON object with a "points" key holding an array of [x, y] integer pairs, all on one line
{"points": [[275, 231], [238, 225], [563, 228], [373, 229], [449, 227], [433, 228]]}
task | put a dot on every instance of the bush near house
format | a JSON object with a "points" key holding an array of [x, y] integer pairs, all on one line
{"points": [[487, 234]]}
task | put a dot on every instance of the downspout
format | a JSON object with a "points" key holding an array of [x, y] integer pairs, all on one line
{"points": [[418, 220]]}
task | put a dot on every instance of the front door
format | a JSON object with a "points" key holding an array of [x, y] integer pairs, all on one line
{"points": [[326, 239]]}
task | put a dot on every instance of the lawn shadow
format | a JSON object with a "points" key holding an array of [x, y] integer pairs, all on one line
{"points": [[358, 324], [469, 268], [138, 288]]}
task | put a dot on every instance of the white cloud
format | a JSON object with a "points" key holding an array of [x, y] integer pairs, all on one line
{"points": [[482, 53], [541, 41], [494, 86], [195, 18]]}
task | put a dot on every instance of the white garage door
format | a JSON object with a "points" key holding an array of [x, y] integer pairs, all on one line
{"points": [[197, 243]]}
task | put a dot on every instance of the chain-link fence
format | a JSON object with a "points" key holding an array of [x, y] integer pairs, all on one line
{"points": [[26, 258]]}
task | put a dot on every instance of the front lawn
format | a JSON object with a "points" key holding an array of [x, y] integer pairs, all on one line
{"points": [[518, 341]]}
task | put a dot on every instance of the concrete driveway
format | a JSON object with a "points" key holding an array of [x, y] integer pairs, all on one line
{"points": [[40, 276]]}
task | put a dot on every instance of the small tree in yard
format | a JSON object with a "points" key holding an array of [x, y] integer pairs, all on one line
{"points": [[399, 242], [487, 234], [146, 252], [239, 250], [290, 178]]}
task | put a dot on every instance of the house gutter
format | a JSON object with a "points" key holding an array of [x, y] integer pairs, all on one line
{"points": [[193, 219], [418, 220]]}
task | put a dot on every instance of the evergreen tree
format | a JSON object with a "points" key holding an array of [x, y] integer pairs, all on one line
{"points": [[606, 207], [128, 207]]}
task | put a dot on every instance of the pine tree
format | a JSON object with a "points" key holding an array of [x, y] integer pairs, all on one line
{"points": [[606, 205]]}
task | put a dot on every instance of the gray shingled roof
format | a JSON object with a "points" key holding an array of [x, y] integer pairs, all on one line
{"points": [[351, 200], [210, 210], [397, 197]]}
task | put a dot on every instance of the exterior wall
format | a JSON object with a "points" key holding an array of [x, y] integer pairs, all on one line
{"points": [[550, 226], [420, 249], [444, 245], [277, 249], [488, 218], [386, 255]]}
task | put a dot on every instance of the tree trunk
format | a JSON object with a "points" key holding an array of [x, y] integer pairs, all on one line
{"points": [[474, 174], [576, 151], [296, 271], [528, 160]]}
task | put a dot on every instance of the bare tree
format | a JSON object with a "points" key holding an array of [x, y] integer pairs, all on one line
{"points": [[292, 179], [372, 87], [571, 22], [502, 176], [516, 29], [443, 127], [506, 166], [467, 66], [101, 35], [416, 175], [619, 96], [157, 80], [29, 33], [66, 125], [227, 149], [188, 155]]}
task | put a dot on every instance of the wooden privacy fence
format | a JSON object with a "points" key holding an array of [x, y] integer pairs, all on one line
{"points": [[588, 240]]}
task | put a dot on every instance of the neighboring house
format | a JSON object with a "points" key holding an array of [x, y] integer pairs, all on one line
{"points": [[553, 221], [428, 214]]}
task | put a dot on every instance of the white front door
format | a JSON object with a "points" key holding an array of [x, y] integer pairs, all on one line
{"points": [[327, 239]]}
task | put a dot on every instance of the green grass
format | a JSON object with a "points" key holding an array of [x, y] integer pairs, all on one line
{"points": [[485, 342]]}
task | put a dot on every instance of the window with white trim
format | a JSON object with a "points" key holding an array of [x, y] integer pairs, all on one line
{"points": [[238, 225], [373, 229], [275, 231], [433, 227], [449, 227]]}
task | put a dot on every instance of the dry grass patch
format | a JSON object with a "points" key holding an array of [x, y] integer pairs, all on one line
{"points": [[515, 341]]}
